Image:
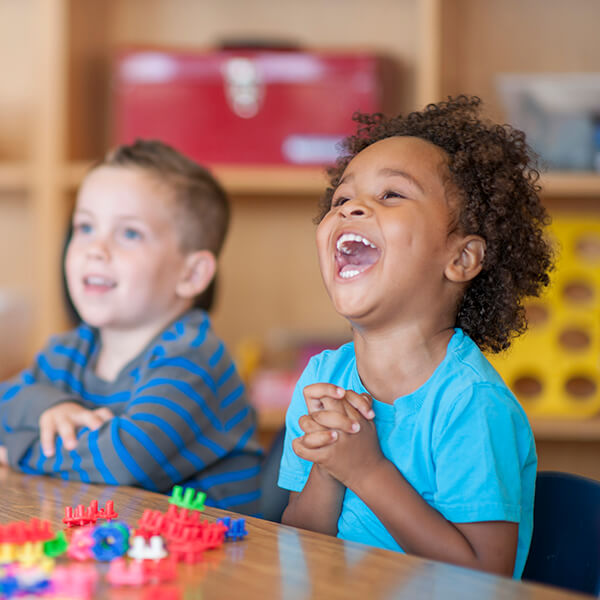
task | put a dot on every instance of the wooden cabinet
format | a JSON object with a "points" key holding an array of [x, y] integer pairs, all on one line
{"points": [[55, 116]]}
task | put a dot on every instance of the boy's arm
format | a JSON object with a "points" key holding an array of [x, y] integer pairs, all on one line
{"points": [[22, 402], [172, 427]]}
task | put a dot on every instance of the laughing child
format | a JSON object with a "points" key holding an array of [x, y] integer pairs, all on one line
{"points": [[429, 238], [142, 393]]}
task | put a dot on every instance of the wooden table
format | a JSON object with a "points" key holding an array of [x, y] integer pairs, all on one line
{"points": [[274, 561]]}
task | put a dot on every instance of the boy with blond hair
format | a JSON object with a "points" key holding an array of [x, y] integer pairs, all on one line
{"points": [[143, 392]]}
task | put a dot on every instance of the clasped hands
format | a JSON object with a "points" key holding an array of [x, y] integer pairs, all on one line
{"points": [[339, 433]]}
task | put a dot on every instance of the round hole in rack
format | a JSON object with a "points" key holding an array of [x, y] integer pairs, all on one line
{"points": [[536, 313], [527, 387], [580, 387], [588, 247], [578, 292], [574, 339]]}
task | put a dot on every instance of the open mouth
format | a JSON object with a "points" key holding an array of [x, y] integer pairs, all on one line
{"points": [[98, 283], [354, 254]]}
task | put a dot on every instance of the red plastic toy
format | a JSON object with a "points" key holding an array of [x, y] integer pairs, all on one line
{"points": [[88, 516], [20, 532]]}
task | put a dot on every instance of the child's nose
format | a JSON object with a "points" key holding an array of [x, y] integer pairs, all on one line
{"points": [[355, 208], [98, 249]]}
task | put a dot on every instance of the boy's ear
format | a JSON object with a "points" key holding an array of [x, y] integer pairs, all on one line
{"points": [[199, 270], [468, 261]]}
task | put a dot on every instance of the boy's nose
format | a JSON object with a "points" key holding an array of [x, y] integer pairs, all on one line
{"points": [[98, 250]]}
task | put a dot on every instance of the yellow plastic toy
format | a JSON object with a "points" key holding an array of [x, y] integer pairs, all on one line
{"points": [[554, 368]]}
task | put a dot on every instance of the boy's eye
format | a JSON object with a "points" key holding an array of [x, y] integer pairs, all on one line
{"points": [[83, 228], [131, 234]]}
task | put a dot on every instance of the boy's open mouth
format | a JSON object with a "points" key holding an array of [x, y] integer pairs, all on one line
{"points": [[354, 254], [98, 283]]}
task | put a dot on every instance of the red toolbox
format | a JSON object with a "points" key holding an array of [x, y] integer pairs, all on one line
{"points": [[245, 106]]}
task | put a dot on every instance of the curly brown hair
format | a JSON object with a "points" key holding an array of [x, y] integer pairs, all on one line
{"points": [[495, 173]]}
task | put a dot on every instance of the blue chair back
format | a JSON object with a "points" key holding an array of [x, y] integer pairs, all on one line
{"points": [[273, 498], [565, 547]]}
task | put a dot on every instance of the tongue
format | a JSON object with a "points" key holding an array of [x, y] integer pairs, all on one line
{"points": [[357, 255]]}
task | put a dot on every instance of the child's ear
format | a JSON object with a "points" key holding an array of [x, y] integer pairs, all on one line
{"points": [[198, 272], [468, 260]]}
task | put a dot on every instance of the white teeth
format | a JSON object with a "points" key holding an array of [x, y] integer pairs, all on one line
{"points": [[348, 274], [352, 237], [98, 281]]}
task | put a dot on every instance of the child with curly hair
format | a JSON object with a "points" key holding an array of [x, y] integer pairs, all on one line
{"points": [[429, 238]]}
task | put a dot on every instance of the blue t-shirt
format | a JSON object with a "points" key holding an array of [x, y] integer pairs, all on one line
{"points": [[461, 440]]}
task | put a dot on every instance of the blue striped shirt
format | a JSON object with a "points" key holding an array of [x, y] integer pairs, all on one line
{"points": [[181, 416]]}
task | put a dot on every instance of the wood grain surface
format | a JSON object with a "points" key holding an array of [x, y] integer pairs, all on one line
{"points": [[273, 561]]}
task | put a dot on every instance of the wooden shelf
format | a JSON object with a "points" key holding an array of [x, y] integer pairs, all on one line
{"points": [[291, 180], [242, 180], [565, 184], [572, 430], [14, 176]]}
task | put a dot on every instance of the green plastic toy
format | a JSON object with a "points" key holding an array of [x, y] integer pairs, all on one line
{"points": [[56, 546], [189, 499]]}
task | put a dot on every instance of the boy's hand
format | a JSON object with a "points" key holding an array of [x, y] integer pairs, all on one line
{"points": [[326, 396], [64, 419], [346, 457], [3, 456]]}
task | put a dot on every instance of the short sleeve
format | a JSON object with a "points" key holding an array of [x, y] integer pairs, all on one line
{"points": [[480, 447], [294, 471]]}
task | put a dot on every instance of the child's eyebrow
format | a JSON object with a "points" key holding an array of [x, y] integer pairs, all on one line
{"points": [[389, 172]]}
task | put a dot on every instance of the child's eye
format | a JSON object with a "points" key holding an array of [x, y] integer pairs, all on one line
{"points": [[131, 234], [339, 201], [82, 228], [390, 194]]}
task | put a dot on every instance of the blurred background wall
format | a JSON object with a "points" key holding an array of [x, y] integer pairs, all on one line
{"points": [[534, 62]]}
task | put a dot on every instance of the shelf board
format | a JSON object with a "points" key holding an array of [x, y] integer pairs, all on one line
{"points": [[298, 181], [565, 429], [14, 176], [568, 184], [242, 180]]}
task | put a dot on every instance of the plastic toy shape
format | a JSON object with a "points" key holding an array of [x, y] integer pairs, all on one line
{"points": [[107, 512], [121, 573], [86, 516], [20, 581], [57, 546], [20, 532], [74, 581], [30, 553], [151, 523], [140, 549], [190, 499], [236, 528], [111, 540], [79, 516], [81, 544]]}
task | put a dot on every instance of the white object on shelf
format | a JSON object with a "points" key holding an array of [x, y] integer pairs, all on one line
{"points": [[557, 111]]}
